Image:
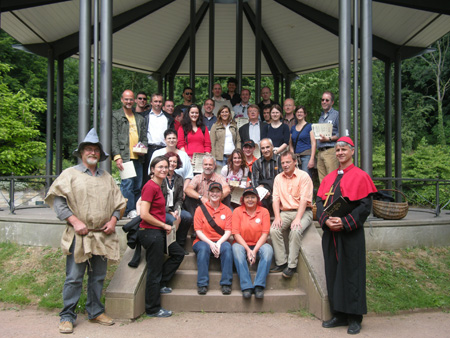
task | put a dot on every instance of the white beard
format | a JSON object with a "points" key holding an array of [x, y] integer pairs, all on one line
{"points": [[92, 160]]}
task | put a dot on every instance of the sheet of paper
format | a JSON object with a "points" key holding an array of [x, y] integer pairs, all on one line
{"points": [[257, 152], [262, 192], [326, 129], [172, 237], [241, 121], [197, 162], [128, 170], [236, 195]]}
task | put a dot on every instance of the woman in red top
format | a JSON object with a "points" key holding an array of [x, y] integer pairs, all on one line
{"points": [[251, 227], [153, 238], [193, 136], [212, 236]]}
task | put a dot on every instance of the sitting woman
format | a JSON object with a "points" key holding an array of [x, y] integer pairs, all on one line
{"points": [[212, 224], [193, 136], [236, 169], [153, 239], [224, 136], [251, 227], [278, 131], [172, 188]]}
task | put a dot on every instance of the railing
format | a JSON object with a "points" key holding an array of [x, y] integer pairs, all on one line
{"points": [[32, 183], [421, 197]]}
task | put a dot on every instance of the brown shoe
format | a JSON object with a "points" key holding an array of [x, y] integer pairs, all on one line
{"points": [[103, 319], [65, 327]]}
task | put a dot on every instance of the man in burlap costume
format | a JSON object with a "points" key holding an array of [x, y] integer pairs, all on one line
{"points": [[89, 200]]}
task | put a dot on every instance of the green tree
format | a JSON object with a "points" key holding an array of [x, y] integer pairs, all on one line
{"points": [[19, 148]]}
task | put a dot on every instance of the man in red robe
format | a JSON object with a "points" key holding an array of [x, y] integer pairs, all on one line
{"points": [[343, 241]]}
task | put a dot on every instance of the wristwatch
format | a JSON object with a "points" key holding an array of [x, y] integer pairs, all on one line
{"points": [[200, 197]]}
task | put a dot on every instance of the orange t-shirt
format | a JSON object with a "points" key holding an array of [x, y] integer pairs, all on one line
{"points": [[251, 227], [222, 216]]}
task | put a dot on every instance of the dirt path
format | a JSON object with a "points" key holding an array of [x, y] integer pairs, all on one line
{"points": [[31, 323]]}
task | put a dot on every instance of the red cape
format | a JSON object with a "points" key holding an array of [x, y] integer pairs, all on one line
{"points": [[356, 184]]}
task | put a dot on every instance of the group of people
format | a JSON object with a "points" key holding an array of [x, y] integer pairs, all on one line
{"points": [[172, 198]]}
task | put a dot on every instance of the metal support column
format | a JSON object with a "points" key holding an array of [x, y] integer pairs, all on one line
{"points": [[258, 34], [398, 120], [59, 113], [287, 89], [50, 112], [276, 87], [106, 79], [84, 70], [95, 96], [171, 87], [345, 70], [366, 86], [211, 47], [239, 23], [388, 122], [355, 83], [192, 50], [160, 84]]}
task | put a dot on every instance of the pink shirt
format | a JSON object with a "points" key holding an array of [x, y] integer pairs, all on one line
{"points": [[196, 142]]}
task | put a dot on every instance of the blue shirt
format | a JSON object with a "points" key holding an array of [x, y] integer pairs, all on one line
{"points": [[304, 139]]}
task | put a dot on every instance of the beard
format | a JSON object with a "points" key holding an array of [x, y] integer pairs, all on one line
{"points": [[92, 160]]}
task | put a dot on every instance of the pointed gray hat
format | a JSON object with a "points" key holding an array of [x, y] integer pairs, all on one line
{"points": [[91, 138]]}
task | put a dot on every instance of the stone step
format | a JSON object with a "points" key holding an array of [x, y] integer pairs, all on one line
{"points": [[274, 301], [187, 279]]}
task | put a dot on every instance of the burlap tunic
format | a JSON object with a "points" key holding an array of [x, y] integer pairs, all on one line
{"points": [[92, 199]]}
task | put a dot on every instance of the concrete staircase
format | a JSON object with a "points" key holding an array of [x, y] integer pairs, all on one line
{"points": [[305, 290]]}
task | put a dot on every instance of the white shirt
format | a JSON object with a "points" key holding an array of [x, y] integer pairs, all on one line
{"points": [[229, 145], [157, 125], [254, 132], [185, 171]]}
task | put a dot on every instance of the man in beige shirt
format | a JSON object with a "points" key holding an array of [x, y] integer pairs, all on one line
{"points": [[292, 197]]}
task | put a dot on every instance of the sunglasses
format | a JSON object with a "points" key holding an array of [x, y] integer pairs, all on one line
{"points": [[188, 93], [325, 100], [142, 98]]}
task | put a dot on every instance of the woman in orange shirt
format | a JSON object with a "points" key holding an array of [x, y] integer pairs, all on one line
{"points": [[251, 227]]}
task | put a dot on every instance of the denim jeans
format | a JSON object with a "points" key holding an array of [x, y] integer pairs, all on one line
{"points": [[158, 271], [264, 254], [96, 270], [223, 162], [131, 187], [203, 252], [183, 228], [305, 160]]}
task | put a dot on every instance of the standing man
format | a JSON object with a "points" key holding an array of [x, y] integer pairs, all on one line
{"points": [[292, 197], [326, 158], [264, 171], [253, 130], [128, 128], [219, 101], [157, 122], [169, 107], [266, 100], [208, 117], [88, 199], [241, 109], [142, 107], [198, 187], [343, 241], [188, 94], [232, 95], [289, 118]]}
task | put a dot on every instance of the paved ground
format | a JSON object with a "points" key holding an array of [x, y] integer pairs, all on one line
{"points": [[33, 323]]}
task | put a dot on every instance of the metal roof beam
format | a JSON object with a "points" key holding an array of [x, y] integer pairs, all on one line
{"points": [[436, 6], [273, 58], [174, 59], [382, 49], [15, 5], [68, 45]]}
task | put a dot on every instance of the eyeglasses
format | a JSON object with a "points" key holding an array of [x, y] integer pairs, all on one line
{"points": [[142, 98], [325, 100], [188, 93]]}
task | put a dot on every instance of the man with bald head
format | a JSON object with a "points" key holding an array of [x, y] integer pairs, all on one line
{"points": [[289, 118], [128, 128]]}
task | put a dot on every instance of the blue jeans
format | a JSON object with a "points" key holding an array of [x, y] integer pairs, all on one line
{"points": [[203, 252], [264, 254], [183, 228], [305, 160], [131, 187], [223, 162], [96, 270]]}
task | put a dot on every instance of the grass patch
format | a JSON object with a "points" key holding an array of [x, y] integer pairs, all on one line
{"points": [[408, 279], [35, 276]]}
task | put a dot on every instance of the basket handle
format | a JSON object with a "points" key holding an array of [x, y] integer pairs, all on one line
{"points": [[406, 200]]}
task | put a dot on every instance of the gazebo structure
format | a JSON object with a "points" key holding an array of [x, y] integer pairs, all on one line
{"points": [[282, 38]]}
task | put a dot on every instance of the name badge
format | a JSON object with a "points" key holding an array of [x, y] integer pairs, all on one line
{"points": [[258, 221], [222, 217]]}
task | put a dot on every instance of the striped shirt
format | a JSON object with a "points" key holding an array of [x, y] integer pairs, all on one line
{"points": [[264, 172]]}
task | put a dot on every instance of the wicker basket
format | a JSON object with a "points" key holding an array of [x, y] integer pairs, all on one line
{"points": [[390, 210]]}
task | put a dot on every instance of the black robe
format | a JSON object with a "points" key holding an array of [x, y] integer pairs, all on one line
{"points": [[345, 256]]}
